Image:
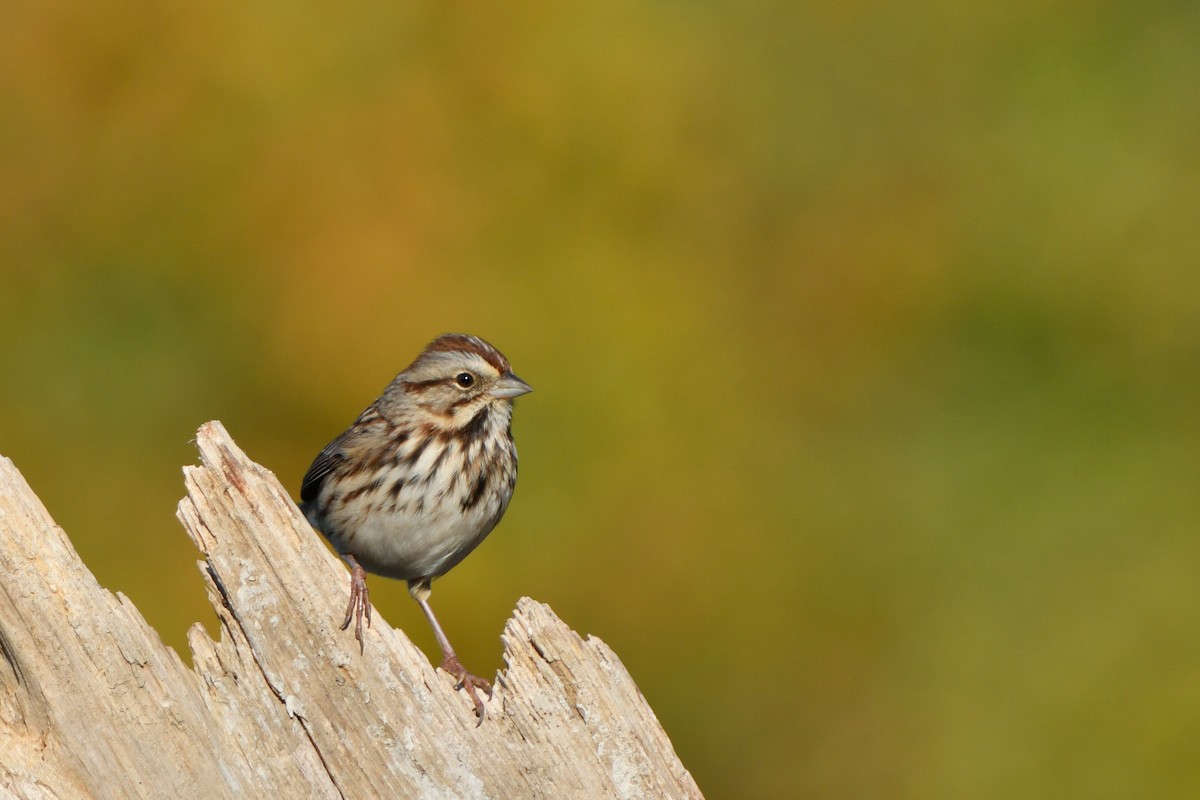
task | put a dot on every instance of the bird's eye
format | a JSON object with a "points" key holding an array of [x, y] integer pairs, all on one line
{"points": [[464, 379]]}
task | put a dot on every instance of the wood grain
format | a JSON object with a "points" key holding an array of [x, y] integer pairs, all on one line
{"points": [[93, 705]]}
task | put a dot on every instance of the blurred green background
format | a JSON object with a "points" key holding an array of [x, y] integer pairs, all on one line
{"points": [[866, 341]]}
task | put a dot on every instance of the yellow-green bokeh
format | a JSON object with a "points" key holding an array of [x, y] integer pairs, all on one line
{"points": [[866, 341]]}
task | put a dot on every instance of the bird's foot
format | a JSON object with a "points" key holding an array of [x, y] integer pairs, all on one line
{"points": [[466, 680], [360, 602]]}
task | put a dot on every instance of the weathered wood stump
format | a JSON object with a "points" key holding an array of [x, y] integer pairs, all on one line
{"points": [[92, 704]]}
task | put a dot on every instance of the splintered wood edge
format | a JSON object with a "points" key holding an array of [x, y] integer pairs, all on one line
{"points": [[570, 694], [585, 678], [546, 684]]}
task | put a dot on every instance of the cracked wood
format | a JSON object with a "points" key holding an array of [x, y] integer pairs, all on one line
{"points": [[93, 705]]}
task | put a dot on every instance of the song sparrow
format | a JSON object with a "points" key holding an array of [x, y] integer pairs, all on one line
{"points": [[420, 478]]}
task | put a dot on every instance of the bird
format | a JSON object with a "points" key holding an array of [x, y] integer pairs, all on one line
{"points": [[420, 478]]}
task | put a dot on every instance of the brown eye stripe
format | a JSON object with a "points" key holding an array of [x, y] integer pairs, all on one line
{"points": [[419, 385]]}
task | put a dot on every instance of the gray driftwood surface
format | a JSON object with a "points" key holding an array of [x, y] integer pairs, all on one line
{"points": [[93, 705]]}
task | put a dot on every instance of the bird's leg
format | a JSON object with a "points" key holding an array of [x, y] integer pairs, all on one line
{"points": [[360, 600], [420, 591]]}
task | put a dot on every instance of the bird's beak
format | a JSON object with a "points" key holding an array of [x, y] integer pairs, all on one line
{"points": [[509, 386]]}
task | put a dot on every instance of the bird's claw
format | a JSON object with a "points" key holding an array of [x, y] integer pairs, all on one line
{"points": [[360, 603], [450, 664]]}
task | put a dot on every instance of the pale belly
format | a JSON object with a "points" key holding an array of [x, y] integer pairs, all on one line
{"points": [[406, 544]]}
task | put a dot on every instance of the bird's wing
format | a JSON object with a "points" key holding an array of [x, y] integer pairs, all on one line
{"points": [[334, 454], [322, 465]]}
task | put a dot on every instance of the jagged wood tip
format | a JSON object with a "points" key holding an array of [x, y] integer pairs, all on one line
{"points": [[92, 704]]}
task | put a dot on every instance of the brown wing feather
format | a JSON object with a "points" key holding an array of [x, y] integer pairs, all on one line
{"points": [[322, 465]]}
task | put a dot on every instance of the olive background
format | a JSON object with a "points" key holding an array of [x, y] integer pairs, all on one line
{"points": [[865, 340]]}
